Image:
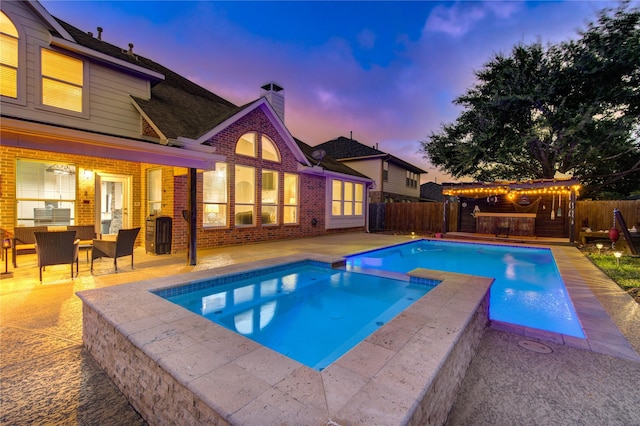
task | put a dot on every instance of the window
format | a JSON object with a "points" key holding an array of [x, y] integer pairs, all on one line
{"points": [[412, 179], [269, 197], [269, 150], [8, 57], [246, 145], [154, 191], [214, 196], [346, 198], [385, 171], [62, 81], [336, 197], [245, 195], [45, 193], [358, 190], [290, 213]]}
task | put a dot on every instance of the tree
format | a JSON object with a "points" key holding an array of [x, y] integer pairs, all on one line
{"points": [[572, 108]]}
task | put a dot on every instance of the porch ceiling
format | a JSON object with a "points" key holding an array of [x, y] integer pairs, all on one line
{"points": [[39, 136]]}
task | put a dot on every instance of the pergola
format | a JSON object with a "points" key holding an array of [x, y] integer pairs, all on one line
{"points": [[512, 189]]}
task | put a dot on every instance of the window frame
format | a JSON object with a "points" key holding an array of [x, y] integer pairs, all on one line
{"points": [[20, 98], [273, 145], [55, 200], [251, 203], [84, 87], [287, 205], [151, 192], [211, 219], [254, 142], [275, 203], [349, 198]]}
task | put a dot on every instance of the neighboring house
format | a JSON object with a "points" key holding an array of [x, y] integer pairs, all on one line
{"points": [[431, 191], [95, 134], [395, 179]]}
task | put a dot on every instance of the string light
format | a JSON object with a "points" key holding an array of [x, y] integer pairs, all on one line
{"points": [[478, 190]]}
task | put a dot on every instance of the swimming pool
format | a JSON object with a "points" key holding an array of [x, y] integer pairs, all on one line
{"points": [[306, 311], [527, 291]]}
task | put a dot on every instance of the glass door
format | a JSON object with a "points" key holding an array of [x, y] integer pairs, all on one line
{"points": [[113, 203]]}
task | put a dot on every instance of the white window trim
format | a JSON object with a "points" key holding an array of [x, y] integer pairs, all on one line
{"points": [[85, 85], [21, 89]]}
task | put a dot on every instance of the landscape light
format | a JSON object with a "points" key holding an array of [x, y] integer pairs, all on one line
{"points": [[618, 255]]}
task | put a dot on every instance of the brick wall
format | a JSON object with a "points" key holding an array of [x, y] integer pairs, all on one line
{"points": [[174, 196], [311, 193], [86, 169]]}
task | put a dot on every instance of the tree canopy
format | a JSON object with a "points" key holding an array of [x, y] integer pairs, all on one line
{"points": [[571, 108]]}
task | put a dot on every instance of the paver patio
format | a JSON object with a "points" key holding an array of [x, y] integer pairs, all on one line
{"points": [[47, 377]]}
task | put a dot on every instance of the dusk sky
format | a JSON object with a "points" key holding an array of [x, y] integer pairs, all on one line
{"points": [[386, 71]]}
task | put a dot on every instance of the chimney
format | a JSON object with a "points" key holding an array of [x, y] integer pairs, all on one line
{"points": [[99, 33], [275, 95]]}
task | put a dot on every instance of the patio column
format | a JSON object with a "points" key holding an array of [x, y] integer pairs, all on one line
{"points": [[193, 216]]}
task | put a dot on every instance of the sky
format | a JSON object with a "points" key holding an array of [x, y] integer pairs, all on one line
{"points": [[384, 72]]}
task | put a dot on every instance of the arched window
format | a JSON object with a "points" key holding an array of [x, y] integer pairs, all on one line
{"points": [[9, 58], [269, 150], [246, 145]]}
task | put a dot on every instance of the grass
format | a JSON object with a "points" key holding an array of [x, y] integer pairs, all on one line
{"points": [[626, 274]]}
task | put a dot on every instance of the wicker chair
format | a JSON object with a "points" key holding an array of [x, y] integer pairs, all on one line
{"points": [[122, 246], [24, 240], [56, 248]]}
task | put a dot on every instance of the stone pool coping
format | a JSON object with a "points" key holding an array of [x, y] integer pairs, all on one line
{"points": [[177, 367]]}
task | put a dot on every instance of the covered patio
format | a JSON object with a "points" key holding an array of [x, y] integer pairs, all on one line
{"points": [[528, 209]]}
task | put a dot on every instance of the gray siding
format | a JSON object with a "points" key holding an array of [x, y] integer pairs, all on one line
{"points": [[109, 107]]}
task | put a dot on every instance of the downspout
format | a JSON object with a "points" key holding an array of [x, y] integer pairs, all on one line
{"points": [[367, 212]]}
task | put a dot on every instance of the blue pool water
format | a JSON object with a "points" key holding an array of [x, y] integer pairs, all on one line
{"points": [[527, 290], [307, 312]]}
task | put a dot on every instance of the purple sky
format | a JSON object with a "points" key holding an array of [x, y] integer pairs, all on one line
{"points": [[386, 71]]}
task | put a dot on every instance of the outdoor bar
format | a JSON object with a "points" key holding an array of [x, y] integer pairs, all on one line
{"points": [[533, 208]]}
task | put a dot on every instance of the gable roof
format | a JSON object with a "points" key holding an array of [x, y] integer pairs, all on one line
{"points": [[327, 162], [180, 109], [344, 149]]}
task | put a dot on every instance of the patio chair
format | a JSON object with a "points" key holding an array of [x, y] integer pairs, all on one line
{"points": [[122, 246], [24, 240], [56, 248]]}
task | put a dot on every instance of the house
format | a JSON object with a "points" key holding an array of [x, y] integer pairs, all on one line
{"points": [[95, 134], [431, 191], [395, 179]]}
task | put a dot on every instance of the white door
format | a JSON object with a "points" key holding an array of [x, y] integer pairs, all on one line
{"points": [[113, 203]]}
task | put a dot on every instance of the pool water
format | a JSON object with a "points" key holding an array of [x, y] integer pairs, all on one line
{"points": [[527, 290], [310, 313]]}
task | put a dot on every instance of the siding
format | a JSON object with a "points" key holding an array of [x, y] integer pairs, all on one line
{"points": [[370, 168], [109, 106], [398, 184]]}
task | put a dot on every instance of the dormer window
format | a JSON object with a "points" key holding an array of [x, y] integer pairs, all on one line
{"points": [[8, 57], [62, 81]]}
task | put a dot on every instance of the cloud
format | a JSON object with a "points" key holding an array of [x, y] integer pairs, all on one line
{"points": [[367, 39], [460, 18]]}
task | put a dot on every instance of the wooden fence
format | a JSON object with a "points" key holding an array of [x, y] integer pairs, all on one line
{"points": [[427, 217]]}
